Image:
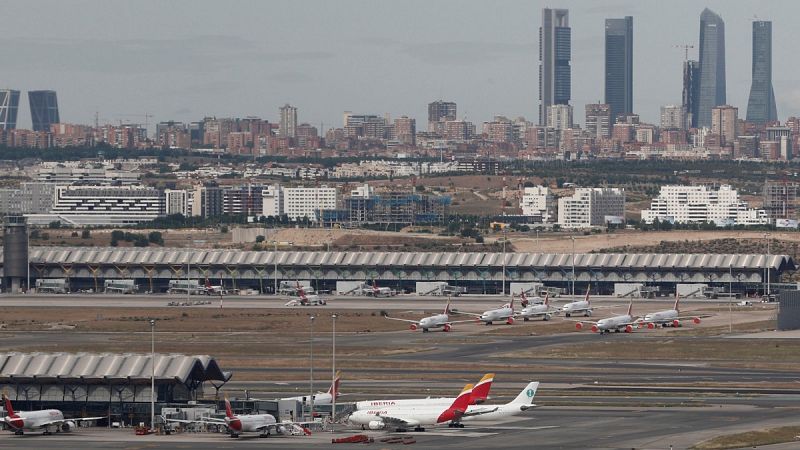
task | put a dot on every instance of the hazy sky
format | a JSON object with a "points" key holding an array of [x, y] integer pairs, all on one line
{"points": [[187, 59]]}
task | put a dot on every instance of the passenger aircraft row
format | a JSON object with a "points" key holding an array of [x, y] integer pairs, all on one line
{"points": [[538, 308]]}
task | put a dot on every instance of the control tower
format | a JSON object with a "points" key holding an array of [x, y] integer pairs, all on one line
{"points": [[15, 253]]}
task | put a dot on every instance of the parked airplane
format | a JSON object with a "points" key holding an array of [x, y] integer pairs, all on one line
{"points": [[236, 424], [525, 301], [43, 419], [305, 300], [320, 398], [625, 322], [522, 402], [375, 291], [480, 392], [416, 416], [504, 313], [436, 321], [214, 290], [543, 310], [669, 317], [584, 306]]}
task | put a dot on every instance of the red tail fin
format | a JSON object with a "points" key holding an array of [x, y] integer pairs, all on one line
{"points": [[511, 305], [208, 284], [334, 389], [677, 300], [546, 298], [630, 308], [462, 401], [447, 306], [588, 289], [9, 409], [228, 410], [481, 390]]}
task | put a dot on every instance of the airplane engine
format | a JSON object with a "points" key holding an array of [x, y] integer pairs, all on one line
{"points": [[578, 326], [376, 425], [68, 425], [510, 321], [446, 327], [676, 323], [696, 320], [651, 325], [595, 329], [413, 327], [629, 329]]}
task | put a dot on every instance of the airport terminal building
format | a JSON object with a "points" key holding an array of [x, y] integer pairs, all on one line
{"points": [[151, 269], [106, 384]]}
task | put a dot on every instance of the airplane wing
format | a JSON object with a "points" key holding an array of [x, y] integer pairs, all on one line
{"points": [[593, 322], [208, 420], [398, 421], [460, 321], [401, 320], [466, 313], [292, 303], [76, 419]]}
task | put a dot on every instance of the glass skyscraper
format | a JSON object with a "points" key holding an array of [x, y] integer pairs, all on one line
{"points": [[9, 105], [761, 105], [711, 90], [555, 77], [619, 66], [44, 109]]}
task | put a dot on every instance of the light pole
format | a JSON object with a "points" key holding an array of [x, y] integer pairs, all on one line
{"points": [[769, 253], [573, 266], [730, 295], [504, 262], [311, 369], [152, 372], [275, 274], [335, 389]]}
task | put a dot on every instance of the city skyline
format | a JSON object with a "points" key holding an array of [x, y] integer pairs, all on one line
{"points": [[486, 61]]}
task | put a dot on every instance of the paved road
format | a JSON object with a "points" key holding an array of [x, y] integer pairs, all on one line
{"points": [[565, 428]]}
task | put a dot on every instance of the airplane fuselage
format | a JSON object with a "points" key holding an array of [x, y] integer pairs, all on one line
{"points": [[437, 321], [582, 306], [535, 311], [616, 323], [494, 315], [322, 398], [33, 420], [662, 317], [250, 423]]}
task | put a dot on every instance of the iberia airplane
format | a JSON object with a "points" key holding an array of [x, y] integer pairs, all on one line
{"points": [[41, 420]]}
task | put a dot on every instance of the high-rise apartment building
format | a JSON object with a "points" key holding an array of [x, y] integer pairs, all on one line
{"points": [[559, 117], [288, 125], [673, 117], [723, 123], [702, 204], [44, 109], [538, 201], [176, 201], [619, 65], [761, 106], [598, 120], [9, 105], [555, 78], [780, 199], [691, 89], [439, 112], [591, 207], [405, 131], [711, 91]]}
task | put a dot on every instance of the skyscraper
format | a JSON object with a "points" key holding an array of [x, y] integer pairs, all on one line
{"points": [[44, 109], [761, 105], [711, 90], [691, 88], [619, 66], [288, 125], [9, 105], [555, 44]]}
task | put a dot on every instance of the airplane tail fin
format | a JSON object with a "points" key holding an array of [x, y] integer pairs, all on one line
{"points": [[546, 299], [630, 308], [228, 409], [334, 389], [481, 390], [677, 301], [588, 289], [462, 401], [9, 409], [447, 306], [208, 284], [525, 397]]}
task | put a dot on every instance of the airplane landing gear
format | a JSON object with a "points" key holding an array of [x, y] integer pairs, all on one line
{"points": [[19, 433], [264, 435], [234, 435], [419, 429]]}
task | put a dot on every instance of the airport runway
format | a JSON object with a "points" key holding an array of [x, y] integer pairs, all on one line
{"points": [[546, 428]]}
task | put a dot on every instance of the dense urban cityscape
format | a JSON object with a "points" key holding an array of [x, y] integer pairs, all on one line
{"points": [[163, 271]]}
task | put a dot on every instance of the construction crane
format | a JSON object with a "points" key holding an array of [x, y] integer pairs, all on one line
{"points": [[146, 116], [685, 48]]}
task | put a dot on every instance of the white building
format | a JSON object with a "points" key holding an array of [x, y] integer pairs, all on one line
{"points": [[102, 205], [176, 201], [559, 117], [307, 202], [89, 175], [538, 201], [272, 198], [592, 207], [700, 204], [298, 202]]}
